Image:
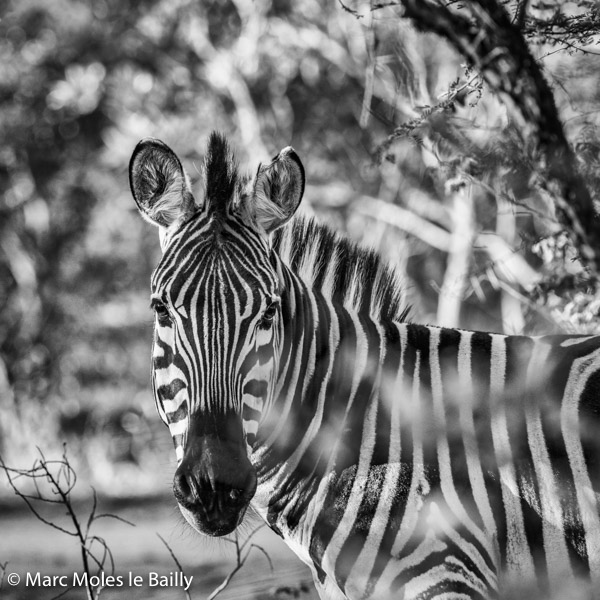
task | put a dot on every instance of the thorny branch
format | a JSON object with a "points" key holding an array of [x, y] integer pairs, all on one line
{"points": [[551, 25]]}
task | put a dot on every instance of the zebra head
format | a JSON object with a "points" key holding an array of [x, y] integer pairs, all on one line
{"points": [[216, 294]]}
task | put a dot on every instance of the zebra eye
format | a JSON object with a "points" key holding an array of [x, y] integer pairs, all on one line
{"points": [[267, 318], [162, 312]]}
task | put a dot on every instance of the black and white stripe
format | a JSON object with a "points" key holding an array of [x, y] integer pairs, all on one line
{"points": [[397, 460]]}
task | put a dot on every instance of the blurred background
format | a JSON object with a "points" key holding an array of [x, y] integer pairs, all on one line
{"points": [[81, 81]]}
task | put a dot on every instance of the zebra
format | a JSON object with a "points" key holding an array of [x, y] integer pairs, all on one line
{"points": [[397, 460]]}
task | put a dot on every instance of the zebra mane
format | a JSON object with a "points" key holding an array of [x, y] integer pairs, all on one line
{"points": [[340, 269], [221, 178], [343, 271]]}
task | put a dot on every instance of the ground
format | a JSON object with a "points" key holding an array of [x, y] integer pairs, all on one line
{"points": [[30, 546]]}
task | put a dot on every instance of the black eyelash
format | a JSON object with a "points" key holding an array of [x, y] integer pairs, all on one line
{"points": [[267, 318], [162, 312]]}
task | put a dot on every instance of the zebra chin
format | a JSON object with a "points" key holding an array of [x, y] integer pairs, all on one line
{"points": [[215, 527]]}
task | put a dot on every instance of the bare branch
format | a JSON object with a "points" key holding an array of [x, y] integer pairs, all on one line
{"points": [[521, 13], [350, 10], [2, 572], [116, 517], [241, 558], [266, 555], [369, 75], [175, 559], [457, 270], [63, 593], [62, 478]]}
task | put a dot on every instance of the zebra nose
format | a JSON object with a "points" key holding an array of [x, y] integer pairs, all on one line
{"points": [[195, 490]]}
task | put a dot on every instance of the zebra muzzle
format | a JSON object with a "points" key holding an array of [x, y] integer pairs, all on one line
{"points": [[213, 492]]}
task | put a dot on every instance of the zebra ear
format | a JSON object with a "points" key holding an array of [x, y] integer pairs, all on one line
{"points": [[159, 184], [278, 189]]}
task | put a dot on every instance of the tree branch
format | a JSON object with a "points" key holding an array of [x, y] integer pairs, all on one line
{"points": [[483, 33]]}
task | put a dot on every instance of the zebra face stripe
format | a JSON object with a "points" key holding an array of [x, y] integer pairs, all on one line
{"points": [[217, 330]]}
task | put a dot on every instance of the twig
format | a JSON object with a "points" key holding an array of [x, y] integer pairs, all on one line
{"points": [[353, 12], [175, 560], [265, 553], [457, 268], [63, 593], [369, 76], [225, 582], [240, 559], [33, 475], [2, 572], [62, 478], [521, 13], [64, 495]]}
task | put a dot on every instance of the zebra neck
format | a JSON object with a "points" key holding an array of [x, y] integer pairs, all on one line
{"points": [[347, 377], [330, 370]]}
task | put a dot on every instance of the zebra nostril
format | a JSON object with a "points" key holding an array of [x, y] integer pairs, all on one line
{"points": [[235, 495], [182, 486]]}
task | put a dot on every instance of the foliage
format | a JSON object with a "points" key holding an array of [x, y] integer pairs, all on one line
{"points": [[523, 160], [571, 28], [82, 82], [419, 138], [466, 203]]}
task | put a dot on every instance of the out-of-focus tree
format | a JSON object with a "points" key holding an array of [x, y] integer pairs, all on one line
{"points": [[58, 63], [464, 202], [516, 159], [82, 81]]}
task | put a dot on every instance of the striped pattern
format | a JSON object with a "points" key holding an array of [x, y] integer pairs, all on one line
{"points": [[215, 299], [397, 460]]}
